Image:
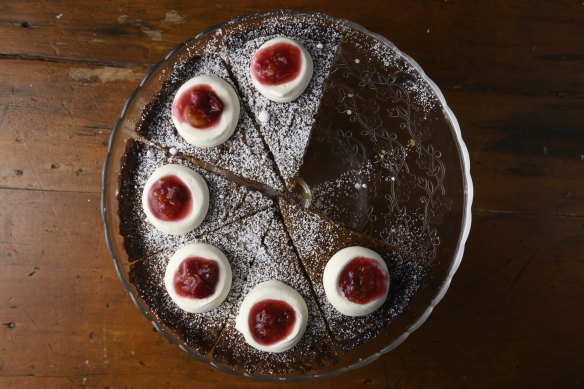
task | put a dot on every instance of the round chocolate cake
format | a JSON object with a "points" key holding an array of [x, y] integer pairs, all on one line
{"points": [[363, 153]]}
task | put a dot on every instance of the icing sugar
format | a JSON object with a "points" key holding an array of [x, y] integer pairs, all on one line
{"points": [[243, 154], [270, 147], [287, 130], [227, 202], [316, 239], [238, 241]]}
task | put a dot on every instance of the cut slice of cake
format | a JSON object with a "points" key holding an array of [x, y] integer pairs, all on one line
{"points": [[286, 127], [316, 239], [238, 241], [228, 202], [276, 260], [244, 154]]}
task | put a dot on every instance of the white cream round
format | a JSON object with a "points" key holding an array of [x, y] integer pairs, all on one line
{"points": [[227, 123], [332, 272], [273, 290], [288, 91], [199, 195], [207, 251]]}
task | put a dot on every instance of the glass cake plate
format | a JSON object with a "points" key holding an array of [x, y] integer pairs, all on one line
{"points": [[399, 119]]}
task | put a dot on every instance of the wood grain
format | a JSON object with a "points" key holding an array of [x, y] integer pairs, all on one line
{"points": [[56, 120], [525, 47], [511, 72]]}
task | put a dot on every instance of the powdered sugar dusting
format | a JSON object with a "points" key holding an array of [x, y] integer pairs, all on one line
{"points": [[276, 260], [227, 202], [201, 330], [287, 129], [317, 240], [365, 90], [373, 53], [242, 154]]}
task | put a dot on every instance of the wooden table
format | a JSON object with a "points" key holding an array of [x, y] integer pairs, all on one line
{"points": [[512, 72]]}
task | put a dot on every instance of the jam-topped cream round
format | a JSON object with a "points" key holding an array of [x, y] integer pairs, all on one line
{"points": [[175, 199], [281, 69], [356, 281], [272, 317], [205, 111], [198, 277]]}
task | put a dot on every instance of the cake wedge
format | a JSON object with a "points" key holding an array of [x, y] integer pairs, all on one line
{"points": [[276, 260], [238, 241], [244, 154], [228, 202], [316, 239]]}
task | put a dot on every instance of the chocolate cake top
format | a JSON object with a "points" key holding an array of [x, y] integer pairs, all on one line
{"points": [[228, 202], [357, 137]]}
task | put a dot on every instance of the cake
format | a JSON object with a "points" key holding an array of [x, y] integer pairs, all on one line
{"points": [[244, 154], [228, 202], [317, 239], [345, 162], [201, 331], [277, 260]]}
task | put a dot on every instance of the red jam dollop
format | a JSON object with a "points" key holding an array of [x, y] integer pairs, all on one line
{"points": [[196, 277], [363, 280], [270, 321], [276, 64], [169, 199], [199, 106]]}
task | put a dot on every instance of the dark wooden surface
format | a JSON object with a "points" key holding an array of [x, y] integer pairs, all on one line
{"points": [[513, 73]]}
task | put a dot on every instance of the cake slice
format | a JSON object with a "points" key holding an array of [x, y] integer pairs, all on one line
{"points": [[286, 127], [238, 241], [243, 155], [276, 260], [228, 202], [317, 239]]}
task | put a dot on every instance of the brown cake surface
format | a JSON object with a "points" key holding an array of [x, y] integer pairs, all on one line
{"points": [[244, 153], [238, 240], [356, 145], [317, 239], [276, 260], [228, 202]]}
